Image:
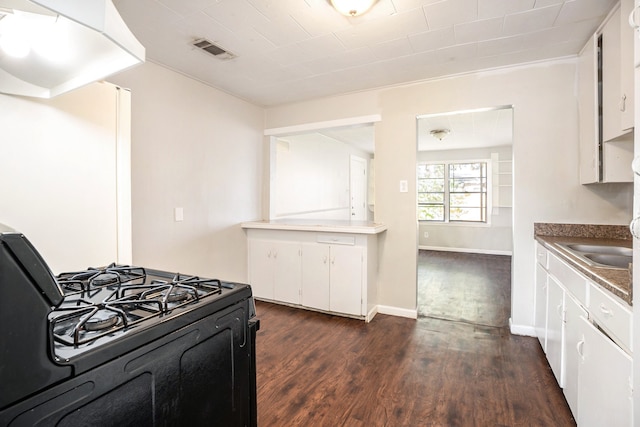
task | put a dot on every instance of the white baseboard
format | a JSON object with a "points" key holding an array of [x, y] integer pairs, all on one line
{"points": [[527, 331], [371, 314], [396, 311], [468, 250]]}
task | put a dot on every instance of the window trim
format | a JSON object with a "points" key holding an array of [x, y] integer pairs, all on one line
{"points": [[447, 221]]}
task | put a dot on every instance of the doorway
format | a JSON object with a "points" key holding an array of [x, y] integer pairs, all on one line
{"points": [[465, 287], [358, 188], [464, 258]]}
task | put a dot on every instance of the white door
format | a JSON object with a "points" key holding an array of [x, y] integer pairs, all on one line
{"points": [[358, 188], [261, 268], [287, 272], [346, 279], [555, 329], [604, 395], [315, 276], [572, 338], [541, 306]]}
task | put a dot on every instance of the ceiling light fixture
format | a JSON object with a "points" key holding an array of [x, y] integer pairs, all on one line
{"points": [[49, 47], [352, 7], [440, 133]]}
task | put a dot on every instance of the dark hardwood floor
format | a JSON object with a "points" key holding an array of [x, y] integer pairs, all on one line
{"points": [[474, 288], [320, 370]]}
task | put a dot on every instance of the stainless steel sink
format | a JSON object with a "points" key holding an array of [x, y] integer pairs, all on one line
{"points": [[601, 249], [607, 256]]}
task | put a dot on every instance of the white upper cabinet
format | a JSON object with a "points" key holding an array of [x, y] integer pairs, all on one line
{"points": [[605, 101], [588, 113], [617, 74]]}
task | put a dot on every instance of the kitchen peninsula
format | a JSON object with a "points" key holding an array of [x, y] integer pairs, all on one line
{"points": [[322, 265]]}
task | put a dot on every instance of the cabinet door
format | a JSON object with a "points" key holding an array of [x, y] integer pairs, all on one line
{"points": [[261, 268], [541, 306], [572, 342], [345, 293], [626, 66], [555, 329], [315, 276], [611, 78], [287, 272], [604, 381], [588, 113]]}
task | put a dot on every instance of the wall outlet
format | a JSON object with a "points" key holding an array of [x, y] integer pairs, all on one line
{"points": [[404, 186]]}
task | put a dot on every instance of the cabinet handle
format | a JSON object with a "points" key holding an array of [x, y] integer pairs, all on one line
{"points": [[559, 311], [325, 259], [580, 348], [634, 227], [632, 18], [623, 103], [606, 311], [635, 165]]}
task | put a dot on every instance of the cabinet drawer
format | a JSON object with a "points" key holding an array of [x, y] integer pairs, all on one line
{"points": [[541, 255], [575, 283], [611, 315], [336, 239]]}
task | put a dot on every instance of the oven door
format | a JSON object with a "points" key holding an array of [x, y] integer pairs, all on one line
{"points": [[202, 374]]}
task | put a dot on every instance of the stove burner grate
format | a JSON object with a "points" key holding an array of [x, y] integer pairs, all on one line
{"points": [[93, 278], [109, 301], [81, 321]]}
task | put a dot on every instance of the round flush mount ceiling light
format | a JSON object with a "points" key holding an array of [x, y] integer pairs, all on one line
{"points": [[352, 7], [440, 133]]}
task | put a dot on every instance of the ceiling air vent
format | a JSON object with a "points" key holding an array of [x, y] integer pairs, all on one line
{"points": [[213, 49]]}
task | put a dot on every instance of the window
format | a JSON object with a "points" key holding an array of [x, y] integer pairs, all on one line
{"points": [[452, 192]]}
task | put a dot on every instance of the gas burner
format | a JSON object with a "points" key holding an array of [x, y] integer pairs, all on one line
{"points": [[177, 295], [79, 321], [105, 279], [101, 320], [169, 295], [101, 304], [112, 275]]}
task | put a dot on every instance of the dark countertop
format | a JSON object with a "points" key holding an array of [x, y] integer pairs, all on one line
{"points": [[616, 281]]}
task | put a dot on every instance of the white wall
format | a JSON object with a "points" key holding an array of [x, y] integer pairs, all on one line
{"points": [[58, 175], [310, 177], [196, 148], [494, 237], [545, 150]]}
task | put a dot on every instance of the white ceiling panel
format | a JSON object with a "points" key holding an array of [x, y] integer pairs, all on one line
{"points": [[500, 8], [432, 40], [378, 31], [293, 50], [470, 129], [531, 20], [450, 12], [475, 31]]}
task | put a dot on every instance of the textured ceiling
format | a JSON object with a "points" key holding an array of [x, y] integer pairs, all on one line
{"points": [[294, 50]]}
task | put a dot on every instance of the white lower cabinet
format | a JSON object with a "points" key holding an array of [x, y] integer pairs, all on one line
{"points": [[555, 329], [572, 340], [332, 278], [541, 306], [315, 264], [604, 381], [275, 270], [591, 365], [345, 280], [320, 271]]}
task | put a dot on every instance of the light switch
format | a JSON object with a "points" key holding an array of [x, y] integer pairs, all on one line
{"points": [[178, 214], [404, 186]]}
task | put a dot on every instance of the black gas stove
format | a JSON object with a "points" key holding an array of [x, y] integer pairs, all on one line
{"points": [[122, 345]]}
